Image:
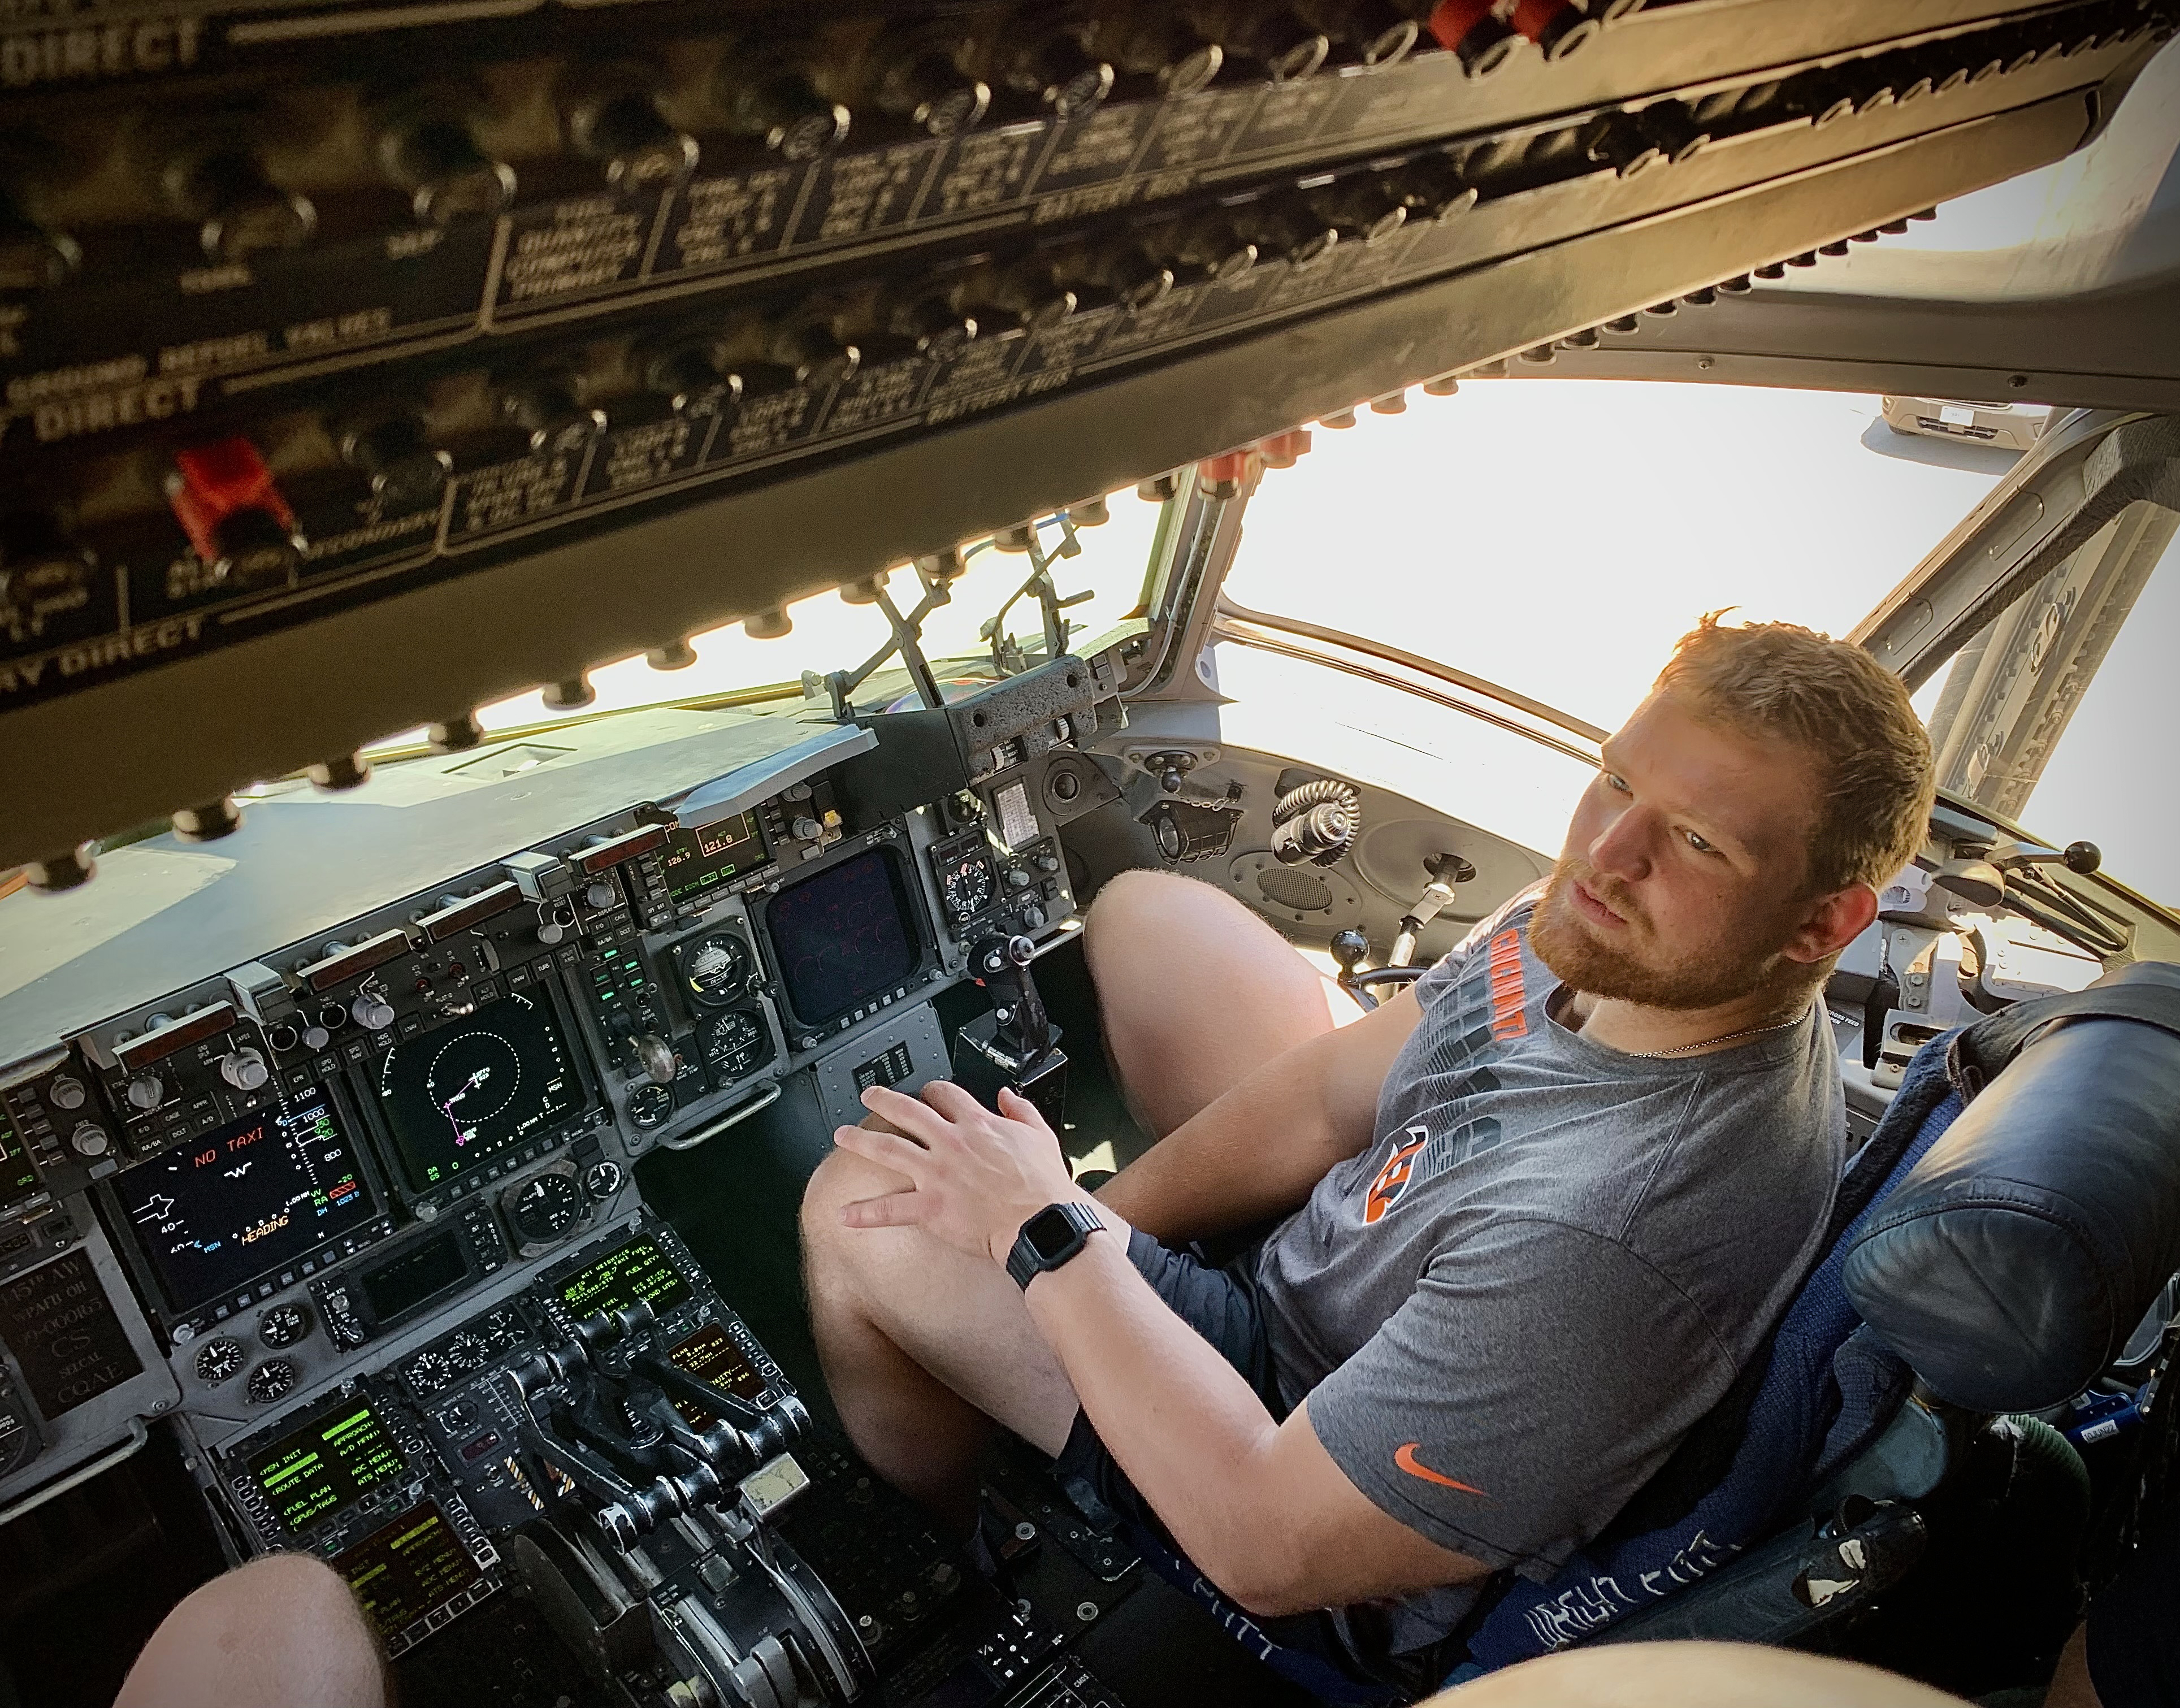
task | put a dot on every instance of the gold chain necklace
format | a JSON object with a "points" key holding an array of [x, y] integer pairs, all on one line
{"points": [[1713, 1043]]}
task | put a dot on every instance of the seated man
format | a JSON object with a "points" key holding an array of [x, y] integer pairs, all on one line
{"points": [[1538, 1211]]}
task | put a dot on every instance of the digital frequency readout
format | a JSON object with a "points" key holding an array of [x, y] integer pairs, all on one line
{"points": [[638, 1270], [247, 1198], [705, 858], [403, 1570], [323, 1466]]}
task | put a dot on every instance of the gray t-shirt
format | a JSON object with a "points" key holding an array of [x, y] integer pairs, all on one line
{"points": [[1548, 1265]]}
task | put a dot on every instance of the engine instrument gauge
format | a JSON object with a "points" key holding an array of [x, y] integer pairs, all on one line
{"points": [[602, 1179], [648, 1105], [283, 1325], [429, 1372], [219, 1360], [966, 885], [273, 1379], [467, 1352], [735, 1043], [716, 968], [544, 1207]]}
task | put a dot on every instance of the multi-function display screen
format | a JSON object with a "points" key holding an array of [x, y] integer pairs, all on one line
{"points": [[844, 936], [711, 1357], [323, 1466], [699, 860], [403, 1570], [248, 1198], [638, 1270], [483, 1084]]}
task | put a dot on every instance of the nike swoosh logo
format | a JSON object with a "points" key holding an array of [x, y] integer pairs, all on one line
{"points": [[1405, 1458]]}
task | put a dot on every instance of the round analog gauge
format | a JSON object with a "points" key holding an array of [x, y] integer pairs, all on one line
{"points": [[602, 1179], [429, 1372], [648, 1105], [966, 884], [545, 1208], [460, 1418], [717, 969], [467, 1352], [271, 1380], [219, 1360], [735, 1043], [284, 1325]]}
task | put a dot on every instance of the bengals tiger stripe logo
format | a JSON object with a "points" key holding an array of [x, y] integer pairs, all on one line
{"points": [[1393, 1178]]}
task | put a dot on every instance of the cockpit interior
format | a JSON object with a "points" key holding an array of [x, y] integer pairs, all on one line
{"points": [[404, 1106]]}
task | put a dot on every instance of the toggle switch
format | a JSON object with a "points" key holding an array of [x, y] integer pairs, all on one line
{"points": [[229, 504]]}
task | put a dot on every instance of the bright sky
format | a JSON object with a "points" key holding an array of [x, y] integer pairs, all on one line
{"points": [[1557, 536]]}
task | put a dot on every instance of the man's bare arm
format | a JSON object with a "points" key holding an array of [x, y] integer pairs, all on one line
{"points": [[1258, 1150]]}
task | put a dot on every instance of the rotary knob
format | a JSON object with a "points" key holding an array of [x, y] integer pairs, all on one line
{"points": [[601, 896], [807, 829], [244, 1069], [371, 1011], [89, 1140], [146, 1092], [65, 1093]]}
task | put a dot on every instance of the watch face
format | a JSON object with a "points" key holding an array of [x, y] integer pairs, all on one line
{"points": [[1050, 1234]]}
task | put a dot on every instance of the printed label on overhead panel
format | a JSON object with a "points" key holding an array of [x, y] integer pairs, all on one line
{"points": [[1194, 128], [1062, 348], [988, 169], [977, 379], [1237, 299], [575, 247], [637, 456], [1097, 146], [878, 392], [1290, 115], [65, 377], [504, 494], [1410, 97], [857, 194], [1164, 320], [768, 423], [730, 218]]}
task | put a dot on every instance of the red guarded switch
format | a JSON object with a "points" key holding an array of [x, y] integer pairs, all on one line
{"points": [[227, 503]]}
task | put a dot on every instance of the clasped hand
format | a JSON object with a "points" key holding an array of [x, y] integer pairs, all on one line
{"points": [[975, 1177]]}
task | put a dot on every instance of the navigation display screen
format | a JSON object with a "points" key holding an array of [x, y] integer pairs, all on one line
{"points": [[841, 938], [257, 1195], [638, 1270], [323, 1466], [403, 1570], [18, 1178], [480, 1085], [701, 860]]}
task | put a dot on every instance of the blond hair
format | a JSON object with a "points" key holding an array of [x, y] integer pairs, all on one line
{"points": [[1838, 704]]}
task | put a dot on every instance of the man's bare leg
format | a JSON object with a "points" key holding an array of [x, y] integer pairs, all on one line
{"points": [[924, 1347], [282, 1632], [1194, 991]]}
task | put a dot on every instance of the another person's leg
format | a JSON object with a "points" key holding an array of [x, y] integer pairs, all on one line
{"points": [[282, 1632], [1194, 991], [1690, 1675]]}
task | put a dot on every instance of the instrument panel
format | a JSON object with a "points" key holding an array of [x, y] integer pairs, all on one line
{"points": [[300, 1170]]}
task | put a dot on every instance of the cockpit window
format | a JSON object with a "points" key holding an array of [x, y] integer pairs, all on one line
{"points": [[1108, 563], [1556, 538]]}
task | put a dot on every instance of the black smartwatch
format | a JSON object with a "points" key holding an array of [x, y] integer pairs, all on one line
{"points": [[1050, 1237]]}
